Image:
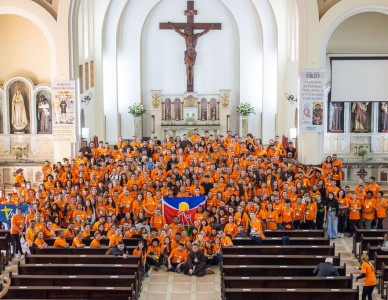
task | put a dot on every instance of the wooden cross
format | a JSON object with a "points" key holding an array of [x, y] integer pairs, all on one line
{"points": [[190, 38], [362, 173]]}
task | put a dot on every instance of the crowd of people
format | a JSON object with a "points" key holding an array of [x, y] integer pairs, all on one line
{"points": [[116, 192]]}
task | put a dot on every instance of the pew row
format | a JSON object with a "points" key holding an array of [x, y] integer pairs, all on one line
{"points": [[276, 250], [278, 241]]}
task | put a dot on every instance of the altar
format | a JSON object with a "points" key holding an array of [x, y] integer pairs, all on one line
{"points": [[181, 114]]}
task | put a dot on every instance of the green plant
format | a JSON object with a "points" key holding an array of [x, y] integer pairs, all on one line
{"points": [[245, 109], [137, 110], [363, 152], [18, 152], [190, 119]]}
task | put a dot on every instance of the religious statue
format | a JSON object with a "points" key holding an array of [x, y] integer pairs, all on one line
{"points": [[317, 114], [360, 109], [167, 109], [19, 116], [177, 109], [44, 115], [336, 123], [191, 40], [213, 109], [384, 117]]}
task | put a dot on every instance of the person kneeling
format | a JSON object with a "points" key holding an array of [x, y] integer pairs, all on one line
{"points": [[177, 257]]}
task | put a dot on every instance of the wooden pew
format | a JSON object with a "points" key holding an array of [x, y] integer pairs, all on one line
{"points": [[372, 250], [290, 294], [365, 240], [75, 280], [379, 259], [132, 242], [79, 259], [383, 278], [81, 269], [295, 233], [69, 292], [340, 282], [278, 250], [273, 270], [74, 250], [366, 233], [242, 259], [278, 241]]}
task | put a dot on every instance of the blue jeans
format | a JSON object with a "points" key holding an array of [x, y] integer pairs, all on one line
{"points": [[332, 225]]}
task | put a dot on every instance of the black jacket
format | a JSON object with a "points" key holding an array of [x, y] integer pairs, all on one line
{"points": [[325, 269]]}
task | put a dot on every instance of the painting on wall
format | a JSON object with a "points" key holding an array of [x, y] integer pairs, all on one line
{"points": [[43, 112], [19, 107]]}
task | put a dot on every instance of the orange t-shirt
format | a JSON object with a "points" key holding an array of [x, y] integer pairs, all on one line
{"points": [[381, 211], [17, 221], [272, 215], [288, 215], [60, 242], [370, 276], [177, 256], [368, 208], [231, 229], [354, 214], [95, 244]]}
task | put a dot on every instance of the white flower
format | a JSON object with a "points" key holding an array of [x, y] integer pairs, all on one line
{"points": [[137, 110]]}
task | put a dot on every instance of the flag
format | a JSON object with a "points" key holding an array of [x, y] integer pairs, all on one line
{"points": [[8, 210], [183, 207]]}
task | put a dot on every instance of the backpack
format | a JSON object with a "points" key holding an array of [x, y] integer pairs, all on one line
{"points": [[285, 240]]}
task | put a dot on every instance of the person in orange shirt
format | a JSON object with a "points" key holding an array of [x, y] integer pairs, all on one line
{"points": [[17, 226], [369, 209], [60, 241], [381, 209], [354, 214], [288, 215], [157, 221], [154, 257], [225, 240], [241, 217], [177, 258], [230, 228], [77, 241], [271, 218], [310, 217], [39, 241], [255, 226], [299, 209], [96, 241], [369, 275]]}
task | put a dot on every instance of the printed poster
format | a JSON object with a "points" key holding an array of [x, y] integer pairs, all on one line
{"points": [[63, 107], [312, 99]]}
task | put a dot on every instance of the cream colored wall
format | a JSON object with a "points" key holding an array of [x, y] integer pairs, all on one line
{"points": [[362, 33], [24, 50]]}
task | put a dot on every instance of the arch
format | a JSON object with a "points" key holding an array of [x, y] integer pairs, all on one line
{"points": [[339, 19], [27, 13]]}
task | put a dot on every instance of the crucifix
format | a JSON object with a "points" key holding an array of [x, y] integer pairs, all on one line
{"points": [[191, 39]]}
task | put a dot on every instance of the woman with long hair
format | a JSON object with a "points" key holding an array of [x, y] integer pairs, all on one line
{"points": [[332, 215], [343, 206], [141, 250], [368, 273]]}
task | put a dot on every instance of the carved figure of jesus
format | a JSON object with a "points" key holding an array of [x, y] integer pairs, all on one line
{"points": [[191, 40]]}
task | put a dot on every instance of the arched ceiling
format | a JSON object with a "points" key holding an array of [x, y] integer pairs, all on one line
{"points": [[325, 5], [50, 5]]}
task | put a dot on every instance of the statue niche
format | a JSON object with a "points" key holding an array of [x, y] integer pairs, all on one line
{"points": [[203, 108], [167, 109], [43, 112], [19, 99], [177, 110]]}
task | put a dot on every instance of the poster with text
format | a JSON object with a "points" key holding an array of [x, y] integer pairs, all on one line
{"points": [[312, 99], [63, 107]]}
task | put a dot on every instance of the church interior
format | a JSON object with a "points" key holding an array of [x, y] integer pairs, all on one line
{"points": [[265, 73]]}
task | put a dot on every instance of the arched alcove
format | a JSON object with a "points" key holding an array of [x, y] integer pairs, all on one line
{"points": [[217, 63], [24, 50]]}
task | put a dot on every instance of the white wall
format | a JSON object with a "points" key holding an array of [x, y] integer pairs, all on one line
{"points": [[217, 64]]}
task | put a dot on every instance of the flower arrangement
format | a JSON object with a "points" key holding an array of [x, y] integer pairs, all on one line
{"points": [[137, 110], [245, 109]]}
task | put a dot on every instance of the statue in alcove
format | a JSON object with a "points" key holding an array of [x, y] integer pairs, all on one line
{"points": [[19, 115], [384, 116], [336, 122], [44, 116], [360, 110]]}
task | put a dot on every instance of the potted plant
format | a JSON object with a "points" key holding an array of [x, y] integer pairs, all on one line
{"points": [[363, 152], [244, 110], [137, 110], [190, 120]]}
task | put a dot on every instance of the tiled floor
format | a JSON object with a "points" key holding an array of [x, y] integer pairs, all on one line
{"points": [[163, 285]]}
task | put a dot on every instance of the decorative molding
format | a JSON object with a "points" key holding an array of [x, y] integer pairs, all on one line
{"points": [[325, 5], [51, 6]]}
